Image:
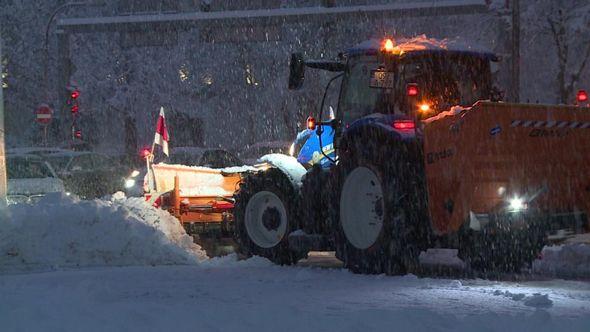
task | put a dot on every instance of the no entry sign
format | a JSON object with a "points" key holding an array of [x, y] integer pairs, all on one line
{"points": [[43, 114]]}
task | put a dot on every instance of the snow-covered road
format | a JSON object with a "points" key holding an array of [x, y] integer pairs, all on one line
{"points": [[253, 295]]}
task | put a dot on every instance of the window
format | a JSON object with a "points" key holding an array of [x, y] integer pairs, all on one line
{"points": [[358, 98], [90, 162], [23, 168], [219, 159]]}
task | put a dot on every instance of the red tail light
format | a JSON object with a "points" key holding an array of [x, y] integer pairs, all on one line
{"points": [[412, 89], [582, 96], [404, 125], [311, 124]]}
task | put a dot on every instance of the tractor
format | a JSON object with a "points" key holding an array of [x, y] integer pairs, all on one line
{"points": [[419, 153]]}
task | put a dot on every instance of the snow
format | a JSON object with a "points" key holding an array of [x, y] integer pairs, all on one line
{"points": [[423, 43], [289, 165], [34, 186], [446, 257], [455, 110], [254, 295], [63, 231], [280, 13], [567, 260], [120, 264]]}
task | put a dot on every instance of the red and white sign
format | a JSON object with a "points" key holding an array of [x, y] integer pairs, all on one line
{"points": [[43, 114]]}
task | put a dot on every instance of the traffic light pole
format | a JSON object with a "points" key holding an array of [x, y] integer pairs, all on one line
{"points": [[515, 74], [3, 184]]}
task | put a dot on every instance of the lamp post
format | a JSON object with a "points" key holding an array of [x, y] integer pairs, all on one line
{"points": [[46, 43], [3, 185]]}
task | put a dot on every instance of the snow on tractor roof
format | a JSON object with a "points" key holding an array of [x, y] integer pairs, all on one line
{"points": [[422, 44]]}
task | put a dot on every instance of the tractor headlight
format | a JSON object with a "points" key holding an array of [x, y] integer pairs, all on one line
{"points": [[516, 204], [129, 183]]}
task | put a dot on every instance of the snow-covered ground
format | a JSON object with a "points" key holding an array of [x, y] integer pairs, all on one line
{"points": [[253, 295], [121, 265]]}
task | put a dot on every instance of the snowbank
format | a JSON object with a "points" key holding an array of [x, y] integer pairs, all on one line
{"points": [[63, 231], [567, 261]]}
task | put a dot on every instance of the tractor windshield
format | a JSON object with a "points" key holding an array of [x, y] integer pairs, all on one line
{"points": [[358, 99]]}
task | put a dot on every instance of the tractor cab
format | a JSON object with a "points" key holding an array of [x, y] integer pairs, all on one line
{"points": [[419, 78], [411, 80]]}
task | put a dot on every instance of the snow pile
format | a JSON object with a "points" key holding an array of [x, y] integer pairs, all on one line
{"points": [[63, 231], [567, 260], [452, 112], [538, 300], [445, 257]]}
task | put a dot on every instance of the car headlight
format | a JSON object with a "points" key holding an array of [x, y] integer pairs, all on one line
{"points": [[129, 183]]}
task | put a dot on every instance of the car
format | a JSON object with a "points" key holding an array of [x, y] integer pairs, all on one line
{"points": [[255, 151], [206, 157], [187, 156], [88, 174], [35, 150], [30, 178]]}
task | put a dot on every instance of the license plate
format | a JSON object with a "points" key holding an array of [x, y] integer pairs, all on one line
{"points": [[381, 79]]}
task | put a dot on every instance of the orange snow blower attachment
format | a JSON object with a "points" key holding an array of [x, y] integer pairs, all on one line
{"points": [[195, 194], [497, 158]]}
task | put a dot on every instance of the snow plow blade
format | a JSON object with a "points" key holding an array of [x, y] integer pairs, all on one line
{"points": [[500, 158]]}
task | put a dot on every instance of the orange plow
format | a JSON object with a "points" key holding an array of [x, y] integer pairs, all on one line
{"points": [[495, 158]]}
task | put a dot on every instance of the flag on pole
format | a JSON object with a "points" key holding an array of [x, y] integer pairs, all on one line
{"points": [[162, 137]]}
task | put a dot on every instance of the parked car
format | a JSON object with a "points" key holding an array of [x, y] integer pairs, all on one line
{"points": [[187, 156], [255, 151], [36, 150], [195, 156], [30, 178], [88, 174]]}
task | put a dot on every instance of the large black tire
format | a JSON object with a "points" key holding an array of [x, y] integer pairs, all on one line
{"points": [[405, 227], [501, 249], [281, 217]]}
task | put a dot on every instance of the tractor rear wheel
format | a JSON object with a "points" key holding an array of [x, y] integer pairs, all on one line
{"points": [[378, 210], [264, 215]]}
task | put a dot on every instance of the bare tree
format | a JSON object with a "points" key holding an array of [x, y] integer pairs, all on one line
{"points": [[567, 23]]}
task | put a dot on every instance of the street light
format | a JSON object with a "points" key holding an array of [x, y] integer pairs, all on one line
{"points": [[3, 185], [95, 3]]}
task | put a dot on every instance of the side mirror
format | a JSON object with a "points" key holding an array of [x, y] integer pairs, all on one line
{"points": [[296, 71]]}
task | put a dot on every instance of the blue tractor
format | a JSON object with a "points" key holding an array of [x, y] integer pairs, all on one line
{"points": [[358, 185]]}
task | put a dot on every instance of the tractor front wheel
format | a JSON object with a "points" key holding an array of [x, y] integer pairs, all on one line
{"points": [[265, 214]]}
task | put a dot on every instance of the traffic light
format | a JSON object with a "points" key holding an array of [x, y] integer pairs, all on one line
{"points": [[78, 134], [73, 101]]}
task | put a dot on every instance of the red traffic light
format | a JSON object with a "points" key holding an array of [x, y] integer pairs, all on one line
{"points": [[78, 134], [75, 109], [412, 89], [582, 96], [75, 94]]}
